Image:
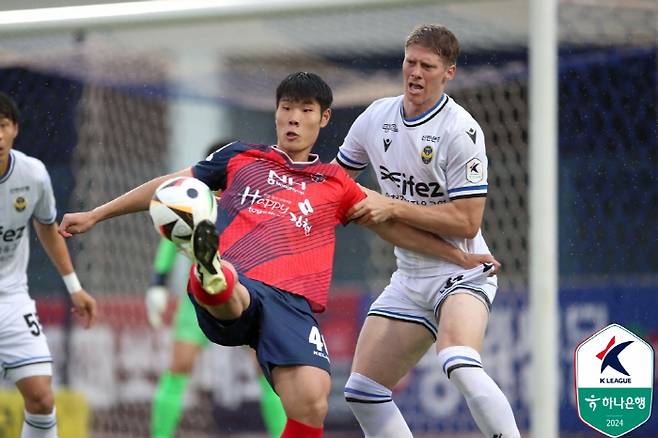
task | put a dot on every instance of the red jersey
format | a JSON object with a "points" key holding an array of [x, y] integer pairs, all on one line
{"points": [[277, 218]]}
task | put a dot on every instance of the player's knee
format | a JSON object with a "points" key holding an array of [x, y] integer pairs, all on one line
{"points": [[40, 402], [318, 408], [310, 408], [361, 389], [454, 358]]}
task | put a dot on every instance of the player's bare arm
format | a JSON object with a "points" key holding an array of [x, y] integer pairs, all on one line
{"points": [[459, 218], [423, 242], [84, 305], [135, 200]]}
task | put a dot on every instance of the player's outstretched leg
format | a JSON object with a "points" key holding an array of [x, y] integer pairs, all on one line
{"points": [[205, 245], [214, 283]]}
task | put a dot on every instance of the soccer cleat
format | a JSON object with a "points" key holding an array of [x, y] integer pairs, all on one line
{"points": [[205, 251]]}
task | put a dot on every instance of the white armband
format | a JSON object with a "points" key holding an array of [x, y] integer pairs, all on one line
{"points": [[72, 283]]}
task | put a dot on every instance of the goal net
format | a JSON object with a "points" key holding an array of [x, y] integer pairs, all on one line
{"points": [[107, 107]]}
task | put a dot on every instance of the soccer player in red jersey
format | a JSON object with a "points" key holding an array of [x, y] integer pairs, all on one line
{"points": [[276, 232]]}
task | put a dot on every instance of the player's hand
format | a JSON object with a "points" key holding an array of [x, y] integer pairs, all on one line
{"points": [[472, 260], [374, 209], [85, 307], [156, 304], [76, 223]]}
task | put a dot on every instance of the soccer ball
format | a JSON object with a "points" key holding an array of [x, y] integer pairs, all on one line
{"points": [[178, 204]]}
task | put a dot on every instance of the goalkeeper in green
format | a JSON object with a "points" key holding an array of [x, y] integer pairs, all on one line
{"points": [[189, 340]]}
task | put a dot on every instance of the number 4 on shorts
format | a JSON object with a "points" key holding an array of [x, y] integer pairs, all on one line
{"points": [[315, 338]]}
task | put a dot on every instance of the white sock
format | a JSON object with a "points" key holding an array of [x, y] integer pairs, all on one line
{"points": [[39, 426], [374, 408], [487, 403]]}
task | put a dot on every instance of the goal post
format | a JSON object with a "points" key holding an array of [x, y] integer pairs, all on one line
{"points": [[543, 215]]}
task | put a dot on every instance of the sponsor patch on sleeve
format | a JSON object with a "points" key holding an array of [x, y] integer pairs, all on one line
{"points": [[474, 171]]}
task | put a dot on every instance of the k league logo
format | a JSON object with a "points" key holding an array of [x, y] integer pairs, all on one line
{"points": [[610, 358], [614, 373]]}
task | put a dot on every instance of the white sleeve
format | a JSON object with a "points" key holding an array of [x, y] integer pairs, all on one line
{"points": [[466, 164], [45, 210], [352, 154]]}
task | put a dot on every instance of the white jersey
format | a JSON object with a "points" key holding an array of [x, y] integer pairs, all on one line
{"points": [[25, 193], [434, 158]]}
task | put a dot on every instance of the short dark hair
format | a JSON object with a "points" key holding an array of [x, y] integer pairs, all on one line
{"points": [[8, 108], [437, 38], [305, 86]]}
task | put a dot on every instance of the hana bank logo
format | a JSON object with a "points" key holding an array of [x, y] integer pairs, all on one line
{"points": [[614, 375]]}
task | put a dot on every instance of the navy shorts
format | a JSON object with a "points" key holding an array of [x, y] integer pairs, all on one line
{"points": [[279, 325]]}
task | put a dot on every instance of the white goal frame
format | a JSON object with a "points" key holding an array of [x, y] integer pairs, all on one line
{"points": [[543, 217]]}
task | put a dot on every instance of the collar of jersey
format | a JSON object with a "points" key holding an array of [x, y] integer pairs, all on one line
{"points": [[427, 115], [312, 158], [10, 168]]}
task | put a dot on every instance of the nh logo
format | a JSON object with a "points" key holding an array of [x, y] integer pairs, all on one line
{"points": [[284, 180]]}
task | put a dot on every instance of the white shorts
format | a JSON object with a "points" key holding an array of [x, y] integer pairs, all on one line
{"points": [[418, 299], [24, 350]]}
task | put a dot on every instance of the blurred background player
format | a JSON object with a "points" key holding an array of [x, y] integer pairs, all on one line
{"points": [[189, 340], [26, 194], [439, 150]]}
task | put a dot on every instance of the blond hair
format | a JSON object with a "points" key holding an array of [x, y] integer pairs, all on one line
{"points": [[437, 38]]}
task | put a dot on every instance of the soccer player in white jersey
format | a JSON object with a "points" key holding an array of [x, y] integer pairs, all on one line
{"points": [[26, 194], [429, 157]]}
